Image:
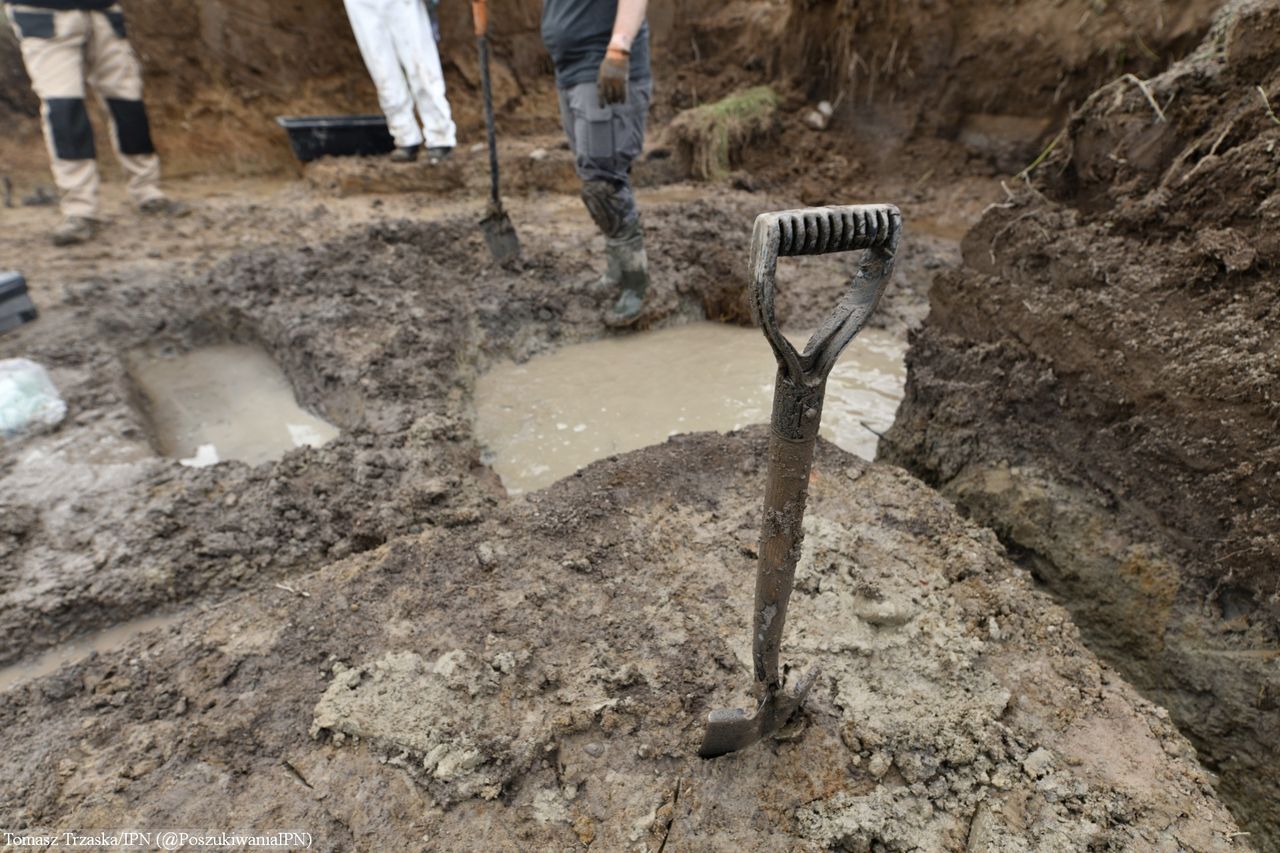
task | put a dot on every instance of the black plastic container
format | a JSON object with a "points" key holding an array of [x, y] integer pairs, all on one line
{"points": [[16, 306], [337, 136]]}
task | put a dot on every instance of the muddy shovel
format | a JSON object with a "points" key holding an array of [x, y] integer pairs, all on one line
{"points": [[797, 411], [499, 233]]}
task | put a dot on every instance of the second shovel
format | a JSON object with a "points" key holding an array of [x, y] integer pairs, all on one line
{"points": [[499, 233]]}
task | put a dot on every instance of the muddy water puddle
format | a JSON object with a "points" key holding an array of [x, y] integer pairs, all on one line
{"points": [[544, 419], [77, 650], [224, 402]]}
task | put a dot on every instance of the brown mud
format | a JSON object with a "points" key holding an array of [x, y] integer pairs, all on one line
{"points": [[1098, 384], [373, 642], [421, 310], [539, 678]]}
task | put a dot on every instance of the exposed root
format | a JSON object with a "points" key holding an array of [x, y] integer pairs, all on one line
{"points": [[1266, 103], [1146, 91]]}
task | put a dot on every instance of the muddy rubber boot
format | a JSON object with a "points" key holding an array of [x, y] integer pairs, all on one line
{"points": [[73, 230], [614, 249], [627, 256]]}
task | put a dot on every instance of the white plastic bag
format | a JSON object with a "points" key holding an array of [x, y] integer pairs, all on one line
{"points": [[29, 402]]}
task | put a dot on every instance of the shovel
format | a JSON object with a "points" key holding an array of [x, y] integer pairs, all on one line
{"points": [[797, 411], [499, 233]]}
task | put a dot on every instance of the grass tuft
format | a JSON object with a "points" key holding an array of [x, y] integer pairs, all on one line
{"points": [[711, 136]]}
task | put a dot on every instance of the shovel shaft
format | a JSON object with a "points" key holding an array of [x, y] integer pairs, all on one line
{"points": [[797, 411], [483, 40]]}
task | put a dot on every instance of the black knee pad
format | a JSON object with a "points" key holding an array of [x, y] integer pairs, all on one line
{"points": [[607, 207], [133, 131], [69, 126]]}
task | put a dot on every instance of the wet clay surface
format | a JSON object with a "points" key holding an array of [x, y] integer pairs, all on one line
{"points": [[544, 673], [1099, 382]]}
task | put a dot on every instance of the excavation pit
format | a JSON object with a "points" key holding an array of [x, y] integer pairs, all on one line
{"points": [[223, 402], [544, 419]]}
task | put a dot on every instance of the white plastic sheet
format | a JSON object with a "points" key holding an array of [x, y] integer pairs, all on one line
{"points": [[29, 401]]}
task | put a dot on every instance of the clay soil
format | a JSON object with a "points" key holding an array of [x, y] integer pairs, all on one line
{"points": [[374, 644], [1099, 384]]}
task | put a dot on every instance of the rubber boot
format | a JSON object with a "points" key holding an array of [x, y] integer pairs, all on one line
{"points": [[629, 265]]}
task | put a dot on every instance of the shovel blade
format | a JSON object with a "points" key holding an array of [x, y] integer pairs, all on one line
{"points": [[732, 729], [500, 236]]}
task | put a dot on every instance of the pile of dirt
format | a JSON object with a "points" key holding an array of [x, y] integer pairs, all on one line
{"points": [[1099, 385], [540, 680]]}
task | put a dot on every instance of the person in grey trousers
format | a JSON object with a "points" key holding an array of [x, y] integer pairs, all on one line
{"points": [[601, 53]]}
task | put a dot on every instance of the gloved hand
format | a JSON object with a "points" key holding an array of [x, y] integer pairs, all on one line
{"points": [[611, 84]]}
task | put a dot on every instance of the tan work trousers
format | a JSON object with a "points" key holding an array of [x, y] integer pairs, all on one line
{"points": [[63, 50]]}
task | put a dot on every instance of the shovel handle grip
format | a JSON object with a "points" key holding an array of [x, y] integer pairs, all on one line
{"points": [[876, 228], [480, 14]]}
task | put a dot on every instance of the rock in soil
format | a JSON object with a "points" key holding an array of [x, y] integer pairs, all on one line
{"points": [[551, 693]]}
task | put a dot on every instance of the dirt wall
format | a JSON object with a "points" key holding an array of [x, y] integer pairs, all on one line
{"points": [[1098, 384], [901, 66], [219, 71]]}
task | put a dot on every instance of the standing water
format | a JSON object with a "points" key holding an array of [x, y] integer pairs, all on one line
{"points": [[225, 402], [79, 649], [543, 420]]}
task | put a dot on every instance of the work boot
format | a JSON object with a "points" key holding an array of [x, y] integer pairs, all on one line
{"points": [[626, 259], [614, 248], [73, 230], [165, 206], [405, 154], [439, 154]]}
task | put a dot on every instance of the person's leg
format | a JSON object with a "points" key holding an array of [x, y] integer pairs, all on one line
{"points": [[52, 45], [416, 50], [372, 26], [116, 76], [605, 141]]}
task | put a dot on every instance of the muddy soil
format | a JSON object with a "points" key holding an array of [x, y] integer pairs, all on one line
{"points": [[486, 676], [1098, 384], [98, 529], [320, 671]]}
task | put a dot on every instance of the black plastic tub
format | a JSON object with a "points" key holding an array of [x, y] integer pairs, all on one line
{"points": [[16, 306], [337, 136]]}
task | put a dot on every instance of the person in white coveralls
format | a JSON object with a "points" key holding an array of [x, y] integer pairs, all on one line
{"points": [[398, 42]]}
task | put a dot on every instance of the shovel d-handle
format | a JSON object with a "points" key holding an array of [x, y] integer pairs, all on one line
{"points": [[876, 228], [800, 387]]}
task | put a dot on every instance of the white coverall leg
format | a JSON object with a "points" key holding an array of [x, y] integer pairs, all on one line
{"points": [[399, 49]]}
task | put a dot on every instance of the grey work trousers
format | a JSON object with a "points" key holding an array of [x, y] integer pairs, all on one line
{"points": [[605, 140]]}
